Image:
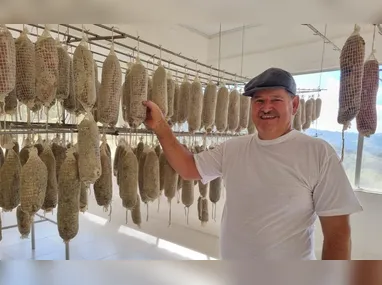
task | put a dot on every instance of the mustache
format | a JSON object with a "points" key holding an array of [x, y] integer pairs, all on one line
{"points": [[270, 113]]}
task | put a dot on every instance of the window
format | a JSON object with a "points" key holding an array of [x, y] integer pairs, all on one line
{"points": [[371, 167], [326, 127]]}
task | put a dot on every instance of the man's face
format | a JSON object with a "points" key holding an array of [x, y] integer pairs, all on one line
{"points": [[272, 111]]}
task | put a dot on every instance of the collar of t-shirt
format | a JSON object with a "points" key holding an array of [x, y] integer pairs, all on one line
{"points": [[278, 140]]}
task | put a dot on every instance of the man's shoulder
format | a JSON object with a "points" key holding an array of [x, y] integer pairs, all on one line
{"points": [[320, 145]]}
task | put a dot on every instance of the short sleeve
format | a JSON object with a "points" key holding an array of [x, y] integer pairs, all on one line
{"points": [[209, 163], [333, 195]]}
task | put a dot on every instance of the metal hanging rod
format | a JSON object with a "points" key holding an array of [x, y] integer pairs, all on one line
{"points": [[73, 38], [169, 51], [41, 128], [335, 47], [318, 33], [306, 90], [379, 26], [203, 79], [150, 55], [98, 38]]}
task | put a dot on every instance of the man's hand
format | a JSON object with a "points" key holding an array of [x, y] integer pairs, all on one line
{"points": [[179, 157], [155, 120]]}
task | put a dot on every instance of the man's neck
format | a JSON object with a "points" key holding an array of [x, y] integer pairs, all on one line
{"points": [[273, 136]]}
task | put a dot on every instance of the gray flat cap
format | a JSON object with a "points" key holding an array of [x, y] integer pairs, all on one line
{"points": [[271, 78]]}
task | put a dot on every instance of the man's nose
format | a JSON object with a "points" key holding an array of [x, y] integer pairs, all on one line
{"points": [[267, 106]]}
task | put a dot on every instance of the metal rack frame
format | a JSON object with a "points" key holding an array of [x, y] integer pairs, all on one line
{"points": [[64, 128], [33, 235], [321, 35], [26, 128], [173, 53], [94, 39], [185, 69], [100, 62], [15, 127]]}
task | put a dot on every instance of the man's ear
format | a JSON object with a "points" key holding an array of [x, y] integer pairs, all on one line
{"points": [[296, 104]]}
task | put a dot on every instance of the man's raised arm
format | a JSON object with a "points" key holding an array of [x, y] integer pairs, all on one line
{"points": [[180, 158]]}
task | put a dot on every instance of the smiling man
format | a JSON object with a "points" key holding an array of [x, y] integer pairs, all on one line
{"points": [[278, 181]]}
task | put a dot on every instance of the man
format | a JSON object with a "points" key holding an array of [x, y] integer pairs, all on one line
{"points": [[277, 181]]}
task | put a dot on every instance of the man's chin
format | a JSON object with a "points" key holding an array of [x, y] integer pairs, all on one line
{"points": [[267, 125], [266, 129]]}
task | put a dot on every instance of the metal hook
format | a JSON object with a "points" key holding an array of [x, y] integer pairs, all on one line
{"points": [[134, 49], [153, 57], [58, 31], [196, 66], [160, 53], [68, 37], [138, 42], [372, 46]]}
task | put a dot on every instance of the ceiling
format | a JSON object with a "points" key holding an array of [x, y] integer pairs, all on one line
{"points": [[198, 14], [294, 47]]}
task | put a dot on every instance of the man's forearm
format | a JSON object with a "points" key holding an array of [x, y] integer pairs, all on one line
{"points": [[176, 154], [337, 249], [366, 272]]}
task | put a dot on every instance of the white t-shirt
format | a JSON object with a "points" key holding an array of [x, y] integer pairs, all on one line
{"points": [[275, 189]]}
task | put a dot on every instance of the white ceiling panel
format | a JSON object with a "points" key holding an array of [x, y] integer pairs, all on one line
{"points": [[198, 13]]}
